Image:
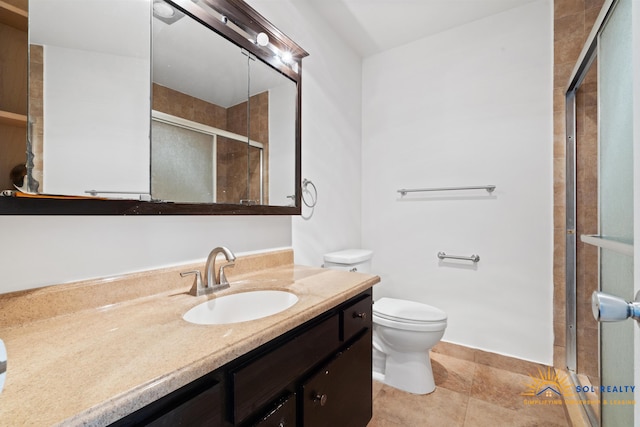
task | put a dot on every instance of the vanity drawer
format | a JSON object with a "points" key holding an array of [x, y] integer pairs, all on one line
{"points": [[263, 378], [355, 318]]}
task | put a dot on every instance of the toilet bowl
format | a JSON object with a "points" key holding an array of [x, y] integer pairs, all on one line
{"points": [[403, 332]]}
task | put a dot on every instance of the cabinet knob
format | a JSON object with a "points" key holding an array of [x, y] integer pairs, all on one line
{"points": [[322, 398], [361, 315]]}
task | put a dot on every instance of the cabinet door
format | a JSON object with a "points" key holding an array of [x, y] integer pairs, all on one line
{"points": [[283, 415], [261, 380], [340, 393]]}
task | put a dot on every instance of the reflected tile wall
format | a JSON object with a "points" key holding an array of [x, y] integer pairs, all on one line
{"points": [[237, 122], [232, 156]]}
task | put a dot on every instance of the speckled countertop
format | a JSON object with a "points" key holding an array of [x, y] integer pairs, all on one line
{"points": [[101, 357]]}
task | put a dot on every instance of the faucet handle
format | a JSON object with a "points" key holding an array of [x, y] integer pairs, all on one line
{"points": [[223, 277], [197, 289]]}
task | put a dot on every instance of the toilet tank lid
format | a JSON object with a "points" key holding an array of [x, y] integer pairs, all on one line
{"points": [[400, 309], [349, 256]]}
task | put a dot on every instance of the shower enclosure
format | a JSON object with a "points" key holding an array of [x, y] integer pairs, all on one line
{"points": [[599, 222], [192, 162]]}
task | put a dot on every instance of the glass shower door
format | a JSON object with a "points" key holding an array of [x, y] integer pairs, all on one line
{"points": [[600, 217], [615, 97]]}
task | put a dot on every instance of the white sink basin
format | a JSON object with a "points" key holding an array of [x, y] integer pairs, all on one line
{"points": [[240, 307]]}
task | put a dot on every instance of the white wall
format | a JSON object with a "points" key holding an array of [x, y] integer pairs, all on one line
{"points": [[46, 250], [282, 143], [112, 156], [40, 250], [469, 106], [331, 131]]}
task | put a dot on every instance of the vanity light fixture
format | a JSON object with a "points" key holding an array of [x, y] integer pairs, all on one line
{"points": [[252, 33]]}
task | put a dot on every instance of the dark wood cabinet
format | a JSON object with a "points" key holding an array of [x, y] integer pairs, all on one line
{"points": [[204, 409], [355, 317], [318, 374], [339, 394], [260, 380], [196, 404], [283, 415]]}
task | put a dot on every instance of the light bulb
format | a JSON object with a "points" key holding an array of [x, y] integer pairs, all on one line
{"points": [[287, 57], [262, 39], [163, 10]]}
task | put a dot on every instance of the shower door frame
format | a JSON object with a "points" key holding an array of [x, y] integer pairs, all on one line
{"points": [[582, 67]]}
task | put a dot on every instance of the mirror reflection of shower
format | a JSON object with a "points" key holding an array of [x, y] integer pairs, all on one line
{"points": [[195, 163]]}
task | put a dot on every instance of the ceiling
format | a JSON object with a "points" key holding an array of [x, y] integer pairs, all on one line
{"points": [[373, 26]]}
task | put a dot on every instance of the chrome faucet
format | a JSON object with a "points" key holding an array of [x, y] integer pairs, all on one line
{"points": [[221, 281], [212, 283]]}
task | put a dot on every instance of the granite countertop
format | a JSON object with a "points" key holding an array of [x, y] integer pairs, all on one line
{"points": [[96, 365]]}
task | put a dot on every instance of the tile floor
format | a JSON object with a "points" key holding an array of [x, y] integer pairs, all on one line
{"points": [[473, 389]]}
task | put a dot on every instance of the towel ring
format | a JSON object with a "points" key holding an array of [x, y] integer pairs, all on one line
{"points": [[314, 199]]}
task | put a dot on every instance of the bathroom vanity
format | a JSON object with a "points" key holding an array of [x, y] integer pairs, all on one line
{"points": [[117, 351], [318, 374]]}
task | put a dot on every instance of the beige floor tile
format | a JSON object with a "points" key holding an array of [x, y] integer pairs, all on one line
{"points": [[441, 408], [452, 373], [376, 386], [377, 421], [482, 414], [469, 393], [504, 388], [499, 387]]}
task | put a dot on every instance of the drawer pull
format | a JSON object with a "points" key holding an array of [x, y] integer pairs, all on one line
{"points": [[322, 398], [361, 315]]}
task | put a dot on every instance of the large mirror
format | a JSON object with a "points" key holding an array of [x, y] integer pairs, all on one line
{"points": [[224, 134], [159, 107]]}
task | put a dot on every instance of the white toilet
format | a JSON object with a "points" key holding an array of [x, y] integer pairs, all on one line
{"points": [[403, 331]]}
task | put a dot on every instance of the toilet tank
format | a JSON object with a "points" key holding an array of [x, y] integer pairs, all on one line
{"points": [[350, 260]]}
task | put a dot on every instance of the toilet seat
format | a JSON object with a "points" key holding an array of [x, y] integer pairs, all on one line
{"points": [[408, 315], [407, 311]]}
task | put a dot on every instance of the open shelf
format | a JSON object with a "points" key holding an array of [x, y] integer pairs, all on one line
{"points": [[608, 243], [13, 119], [13, 16]]}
